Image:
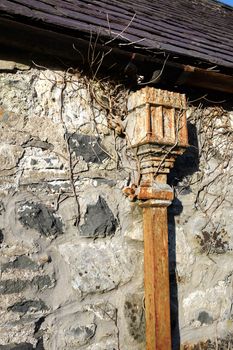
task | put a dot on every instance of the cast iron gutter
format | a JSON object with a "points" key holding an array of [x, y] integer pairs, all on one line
{"points": [[157, 131], [20, 36]]}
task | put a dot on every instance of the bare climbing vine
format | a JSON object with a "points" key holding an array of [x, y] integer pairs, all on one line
{"points": [[111, 99], [212, 181], [69, 151]]}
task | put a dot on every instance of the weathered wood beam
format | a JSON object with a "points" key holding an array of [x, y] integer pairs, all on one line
{"points": [[206, 79]]}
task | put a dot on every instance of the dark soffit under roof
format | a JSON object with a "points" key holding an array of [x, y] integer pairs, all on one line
{"points": [[202, 29]]}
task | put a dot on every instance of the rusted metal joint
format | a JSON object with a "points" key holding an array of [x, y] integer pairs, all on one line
{"points": [[130, 192], [156, 191]]}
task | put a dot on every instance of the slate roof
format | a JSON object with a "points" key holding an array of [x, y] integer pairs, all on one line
{"points": [[201, 29]]}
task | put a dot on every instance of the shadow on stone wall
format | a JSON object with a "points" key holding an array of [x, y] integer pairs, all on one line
{"points": [[185, 165], [175, 209]]}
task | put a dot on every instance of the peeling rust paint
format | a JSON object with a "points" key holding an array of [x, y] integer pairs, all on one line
{"points": [[157, 129]]}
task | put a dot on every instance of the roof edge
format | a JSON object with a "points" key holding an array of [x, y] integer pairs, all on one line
{"points": [[77, 50]]}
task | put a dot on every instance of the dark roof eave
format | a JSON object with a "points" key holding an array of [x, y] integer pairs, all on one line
{"points": [[43, 41], [199, 29]]}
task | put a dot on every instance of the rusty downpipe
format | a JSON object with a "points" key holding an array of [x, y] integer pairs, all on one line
{"points": [[157, 131]]}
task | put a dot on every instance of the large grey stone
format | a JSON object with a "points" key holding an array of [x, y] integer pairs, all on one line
{"points": [[80, 335], [21, 262], [99, 220], [100, 266], [28, 305], [42, 282], [87, 146], [135, 317], [13, 286], [39, 217]]}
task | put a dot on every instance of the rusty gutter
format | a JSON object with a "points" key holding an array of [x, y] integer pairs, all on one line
{"points": [[152, 113]]}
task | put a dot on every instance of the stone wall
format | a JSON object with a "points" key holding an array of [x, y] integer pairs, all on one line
{"points": [[72, 244], [201, 237]]}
